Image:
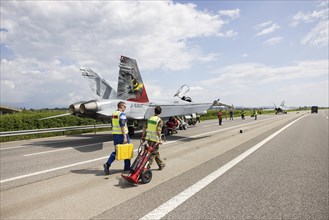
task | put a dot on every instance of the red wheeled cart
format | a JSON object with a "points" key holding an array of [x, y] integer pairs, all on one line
{"points": [[139, 171]]}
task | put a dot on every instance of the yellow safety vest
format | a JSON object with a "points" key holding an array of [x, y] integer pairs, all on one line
{"points": [[152, 131], [116, 129]]}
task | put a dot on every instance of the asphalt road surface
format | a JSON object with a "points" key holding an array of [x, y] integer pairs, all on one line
{"points": [[276, 167]]}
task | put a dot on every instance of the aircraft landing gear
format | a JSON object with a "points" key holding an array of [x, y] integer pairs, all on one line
{"points": [[131, 131]]}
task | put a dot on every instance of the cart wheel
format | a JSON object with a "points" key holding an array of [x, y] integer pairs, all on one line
{"points": [[146, 176], [184, 126]]}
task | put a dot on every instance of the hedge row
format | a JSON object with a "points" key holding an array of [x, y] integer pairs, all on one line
{"points": [[28, 119]]}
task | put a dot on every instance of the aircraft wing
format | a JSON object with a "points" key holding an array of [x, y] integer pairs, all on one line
{"points": [[179, 109]]}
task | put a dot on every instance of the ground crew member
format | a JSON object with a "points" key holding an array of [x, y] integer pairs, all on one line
{"points": [[255, 114], [242, 114], [152, 133], [197, 118], [120, 135], [220, 117], [231, 115]]}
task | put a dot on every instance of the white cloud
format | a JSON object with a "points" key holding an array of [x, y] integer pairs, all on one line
{"points": [[273, 41], [52, 39], [268, 27], [264, 24], [247, 79], [100, 30], [309, 17], [317, 93], [232, 14], [318, 35], [20, 83], [228, 34]]}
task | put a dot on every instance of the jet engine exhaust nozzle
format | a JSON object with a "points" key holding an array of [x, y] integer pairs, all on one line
{"points": [[88, 107], [74, 108]]}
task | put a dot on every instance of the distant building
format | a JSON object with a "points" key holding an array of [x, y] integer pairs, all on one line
{"points": [[8, 110]]}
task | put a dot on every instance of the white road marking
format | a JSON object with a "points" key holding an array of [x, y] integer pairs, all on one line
{"points": [[9, 148], [174, 202], [50, 170]]}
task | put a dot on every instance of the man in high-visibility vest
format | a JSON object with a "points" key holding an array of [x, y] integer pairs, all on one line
{"points": [[152, 133], [120, 135]]}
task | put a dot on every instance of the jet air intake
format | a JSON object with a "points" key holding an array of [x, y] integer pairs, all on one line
{"points": [[90, 106]]}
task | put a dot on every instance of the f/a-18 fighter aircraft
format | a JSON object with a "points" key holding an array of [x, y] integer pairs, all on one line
{"points": [[282, 109], [132, 91]]}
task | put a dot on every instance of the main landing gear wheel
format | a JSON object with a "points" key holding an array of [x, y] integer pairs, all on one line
{"points": [[131, 131], [146, 176]]}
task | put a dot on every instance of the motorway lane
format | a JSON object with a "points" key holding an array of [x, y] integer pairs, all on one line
{"points": [[60, 154], [79, 194], [287, 178]]}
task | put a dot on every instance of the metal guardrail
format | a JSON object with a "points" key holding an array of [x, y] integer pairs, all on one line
{"points": [[48, 130]]}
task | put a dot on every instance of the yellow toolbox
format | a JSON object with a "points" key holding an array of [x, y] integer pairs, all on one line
{"points": [[124, 151]]}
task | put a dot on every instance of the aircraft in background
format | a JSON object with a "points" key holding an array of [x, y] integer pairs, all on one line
{"points": [[132, 91], [282, 109]]}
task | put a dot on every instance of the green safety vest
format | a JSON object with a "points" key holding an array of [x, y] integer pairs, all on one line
{"points": [[116, 129], [152, 131]]}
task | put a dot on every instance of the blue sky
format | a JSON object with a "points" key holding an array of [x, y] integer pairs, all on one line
{"points": [[247, 53]]}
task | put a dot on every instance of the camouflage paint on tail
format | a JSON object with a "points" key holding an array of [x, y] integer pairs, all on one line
{"points": [[98, 84], [130, 84]]}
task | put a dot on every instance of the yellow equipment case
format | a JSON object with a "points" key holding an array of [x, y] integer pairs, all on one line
{"points": [[124, 151]]}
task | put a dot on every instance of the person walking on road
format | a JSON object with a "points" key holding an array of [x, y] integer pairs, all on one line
{"points": [[220, 117], [255, 114], [242, 114], [231, 115], [120, 135], [152, 133]]}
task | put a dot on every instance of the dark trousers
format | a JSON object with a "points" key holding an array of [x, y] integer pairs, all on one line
{"points": [[112, 158]]}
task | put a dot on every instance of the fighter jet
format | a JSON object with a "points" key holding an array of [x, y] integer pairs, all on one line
{"points": [[281, 109], [132, 91]]}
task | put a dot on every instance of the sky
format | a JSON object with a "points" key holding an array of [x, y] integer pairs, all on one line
{"points": [[245, 53]]}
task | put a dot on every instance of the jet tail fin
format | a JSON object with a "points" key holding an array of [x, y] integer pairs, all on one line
{"points": [[130, 83], [98, 84]]}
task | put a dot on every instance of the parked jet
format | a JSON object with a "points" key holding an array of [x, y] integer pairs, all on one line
{"points": [[131, 90], [282, 109]]}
